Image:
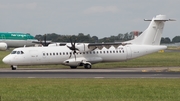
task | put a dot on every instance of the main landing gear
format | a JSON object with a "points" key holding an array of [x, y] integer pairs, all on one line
{"points": [[87, 66], [73, 67], [13, 67]]}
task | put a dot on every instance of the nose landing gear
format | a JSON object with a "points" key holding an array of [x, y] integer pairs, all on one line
{"points": [[13, 67]]}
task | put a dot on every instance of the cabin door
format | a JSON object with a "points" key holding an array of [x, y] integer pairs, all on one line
{"points": [[129, 52]]}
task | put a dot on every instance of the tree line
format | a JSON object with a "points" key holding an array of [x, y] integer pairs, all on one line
{"points": [[81, 37]]}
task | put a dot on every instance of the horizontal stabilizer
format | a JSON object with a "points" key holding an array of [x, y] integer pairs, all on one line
{"points": [[160, 20]]}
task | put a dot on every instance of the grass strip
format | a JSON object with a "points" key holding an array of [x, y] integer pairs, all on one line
{"points": [[36, 89]]}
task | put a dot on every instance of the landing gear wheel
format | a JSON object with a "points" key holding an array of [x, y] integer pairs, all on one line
{"points": [[73, 67], [87, 66], [13, 67]]}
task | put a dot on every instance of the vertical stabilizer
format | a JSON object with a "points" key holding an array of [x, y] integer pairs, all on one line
{"points": [[152, 35]]}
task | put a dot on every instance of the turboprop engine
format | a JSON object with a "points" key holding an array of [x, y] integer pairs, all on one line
{"points": [[3, 46]]}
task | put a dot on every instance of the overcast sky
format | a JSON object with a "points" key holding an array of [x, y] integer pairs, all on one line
{"points": [[100, 18]]}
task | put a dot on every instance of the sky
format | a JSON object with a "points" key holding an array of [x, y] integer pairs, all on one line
{"points": [[101, 18]]}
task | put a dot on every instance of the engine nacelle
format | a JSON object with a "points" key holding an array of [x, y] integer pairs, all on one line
{"points": [[72, 62], [3, 46], [83, 47], [56, 44]]}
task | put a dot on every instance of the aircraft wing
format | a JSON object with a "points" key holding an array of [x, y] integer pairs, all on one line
{"points": [[83, 47], [107, 45], [44, 43]]}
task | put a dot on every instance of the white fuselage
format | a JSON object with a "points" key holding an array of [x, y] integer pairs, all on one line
{"points": [[60, 54]]}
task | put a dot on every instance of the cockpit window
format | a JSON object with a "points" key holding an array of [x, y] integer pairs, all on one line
{"points": [[17, 52], [13, 52]]}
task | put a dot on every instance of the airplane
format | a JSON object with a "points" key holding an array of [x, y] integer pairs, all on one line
{"points": [[85, 54], [15, 39]]}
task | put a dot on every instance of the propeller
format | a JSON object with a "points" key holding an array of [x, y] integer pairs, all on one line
{"points": [[73, 48], [43, 42]]}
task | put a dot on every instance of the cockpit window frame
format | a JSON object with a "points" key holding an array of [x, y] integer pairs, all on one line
{"points": [[17, 52], [13, 52]]}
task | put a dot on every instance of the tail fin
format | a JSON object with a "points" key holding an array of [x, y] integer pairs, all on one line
{"points": [[152, 35]]}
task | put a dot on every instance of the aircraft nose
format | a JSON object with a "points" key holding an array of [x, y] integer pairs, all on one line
{"points": [[6, 60]]}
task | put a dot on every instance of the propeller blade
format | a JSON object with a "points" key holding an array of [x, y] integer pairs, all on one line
{"points": [[45, 39], [75, 55], [70, 54], [73, 48], [71, 42]]}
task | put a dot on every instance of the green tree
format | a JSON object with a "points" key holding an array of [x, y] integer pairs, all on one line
{"points": [[176, 39]]}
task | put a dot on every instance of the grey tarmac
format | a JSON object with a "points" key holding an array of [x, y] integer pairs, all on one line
{"points": [[158, 72]]}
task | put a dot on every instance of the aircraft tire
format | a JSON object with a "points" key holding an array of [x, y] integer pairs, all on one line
{"points": [[13, 68], [87, 66], [73, 67]]}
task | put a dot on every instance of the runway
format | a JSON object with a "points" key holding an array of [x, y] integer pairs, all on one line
{"points": [[88, 73]]}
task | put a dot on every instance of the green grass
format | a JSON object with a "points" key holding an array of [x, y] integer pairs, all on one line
{"points": [[167, 59], [24, 89]]}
